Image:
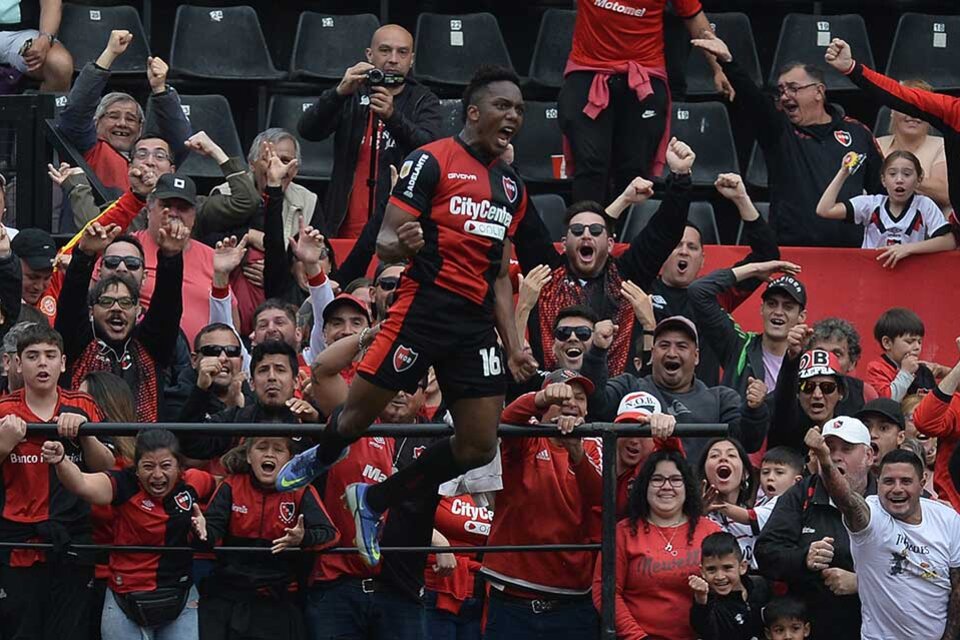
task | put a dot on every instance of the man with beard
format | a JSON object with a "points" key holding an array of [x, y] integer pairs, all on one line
{"points": [[803, 139], [671, 293], [101, 329], [750, 356], [218, 370], [587, 274], [805, 543], [840, 338], [673, 383]]}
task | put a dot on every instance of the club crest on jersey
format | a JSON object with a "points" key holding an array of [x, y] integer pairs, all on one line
{"points": [[403, 358], [843, 137], [418, 451], [183, 500], [287, 510], [510, 188]]}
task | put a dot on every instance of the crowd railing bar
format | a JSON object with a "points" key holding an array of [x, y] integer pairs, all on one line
{"points": [[608, 432]]}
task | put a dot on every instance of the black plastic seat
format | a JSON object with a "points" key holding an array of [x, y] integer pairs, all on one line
{"points": [[210, 113], [452, 123], [926, 47], [551, 208], [804, 38], [538, 141], [326, 45], [85, 32], [734, 29], [552, 48], [757, 168], [316, 157], [220, 43], [763, 208], [882, 126], [701, 214], [705, 126], [449, 48]]}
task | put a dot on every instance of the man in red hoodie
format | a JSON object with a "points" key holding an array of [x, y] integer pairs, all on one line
{"points": [[550, 489], [938, 416]]}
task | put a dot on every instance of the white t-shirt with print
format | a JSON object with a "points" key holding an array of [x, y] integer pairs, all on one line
{"points": [[922, 219], [903, 571]]}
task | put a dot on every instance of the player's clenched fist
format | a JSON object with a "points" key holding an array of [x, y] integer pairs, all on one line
{"points": [[410, 236]]}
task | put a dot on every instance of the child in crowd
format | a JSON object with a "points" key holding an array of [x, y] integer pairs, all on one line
{"points": [[726, 602], [786, 619], [899, 371], [903, 223], [780, 469]]}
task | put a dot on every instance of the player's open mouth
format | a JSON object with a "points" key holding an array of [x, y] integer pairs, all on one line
{"points": [[724, 471], [505, 135]]}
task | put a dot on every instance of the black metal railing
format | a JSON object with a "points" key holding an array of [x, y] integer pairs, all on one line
{"points": [[607, 432]]}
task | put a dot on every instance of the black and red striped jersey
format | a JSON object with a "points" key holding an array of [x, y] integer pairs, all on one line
{"points": [[243, 513], [142, 519], [467, 207], [32, 495]]}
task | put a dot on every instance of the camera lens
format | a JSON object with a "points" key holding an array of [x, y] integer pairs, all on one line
{"points": [[375, 76]]}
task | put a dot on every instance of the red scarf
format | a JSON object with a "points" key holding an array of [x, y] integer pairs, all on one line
{"points": [[135, 365]]}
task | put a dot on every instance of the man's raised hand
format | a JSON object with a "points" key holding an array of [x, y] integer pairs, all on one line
{"points": [[157, 71], [713, 45], [95, 238], [680, 157], [603, 334], [60, 174], [228, 254], [797, 338], [839, 56]]}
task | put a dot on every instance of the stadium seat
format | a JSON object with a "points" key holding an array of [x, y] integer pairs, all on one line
{"points": [[705, 126], [449, 47], [734, 29], [926, 47], [210, 113], [551, 208], [316, 157], [452, 117], [804, 38], [325, 45], [223, 43], [552, 48], [701, 214], [538, 141], [85, 32], [882, 125], [757, 168], [764, 209]]}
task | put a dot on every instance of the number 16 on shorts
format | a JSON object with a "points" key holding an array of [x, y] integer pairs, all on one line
{"points": [[492, 364]]}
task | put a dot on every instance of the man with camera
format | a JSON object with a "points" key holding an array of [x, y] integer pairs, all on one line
{"points": [[378, 115]]}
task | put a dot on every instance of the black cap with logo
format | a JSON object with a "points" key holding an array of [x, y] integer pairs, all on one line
{"points": [[790, 286], [175, 185], [35, 247]]}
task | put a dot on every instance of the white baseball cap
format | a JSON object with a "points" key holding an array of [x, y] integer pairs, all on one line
{"points": [[637, 407], [847, 429]]}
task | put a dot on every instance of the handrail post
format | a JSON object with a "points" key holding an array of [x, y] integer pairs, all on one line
{"points": [[608, 537]]}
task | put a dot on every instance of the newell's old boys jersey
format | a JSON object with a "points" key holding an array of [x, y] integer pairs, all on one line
{"points": [[466, 208], [919, 220]]}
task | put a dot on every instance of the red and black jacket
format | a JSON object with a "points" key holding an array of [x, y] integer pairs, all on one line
{"points": [[141, 519], [34, 506], [243, 513]]}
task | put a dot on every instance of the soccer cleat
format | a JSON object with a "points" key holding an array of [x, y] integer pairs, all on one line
{"points": [[367, 522], [303, 468]]}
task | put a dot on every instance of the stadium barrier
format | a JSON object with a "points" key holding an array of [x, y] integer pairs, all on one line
{"points": [[607, 432]]}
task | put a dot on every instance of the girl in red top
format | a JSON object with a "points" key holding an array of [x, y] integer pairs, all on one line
{"points": [[658, 549], [155, 503], [254, 595], [453, 607]]}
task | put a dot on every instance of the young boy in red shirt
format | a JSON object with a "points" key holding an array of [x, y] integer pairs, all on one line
{"points": [[899, 371]]}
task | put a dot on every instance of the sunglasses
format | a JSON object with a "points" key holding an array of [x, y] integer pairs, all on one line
{"points": [[125, 302], [596, 229], [132, 263], [214, 350], [807, 387], [563, 333], [388, 284]]}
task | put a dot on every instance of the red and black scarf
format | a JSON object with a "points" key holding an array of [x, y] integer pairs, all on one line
{"points": [[134, 364]]}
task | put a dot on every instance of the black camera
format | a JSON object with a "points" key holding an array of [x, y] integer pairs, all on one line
{"points": [[380, 78]]}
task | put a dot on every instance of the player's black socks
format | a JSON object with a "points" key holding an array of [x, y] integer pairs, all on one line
{"points": [[434, 466], [331, 442]]}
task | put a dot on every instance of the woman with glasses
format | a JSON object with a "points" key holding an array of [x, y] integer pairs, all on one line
{"points": [[809, 389], [658, 549]]}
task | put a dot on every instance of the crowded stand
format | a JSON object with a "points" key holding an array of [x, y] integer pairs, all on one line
{"points": [[504, 275]]}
